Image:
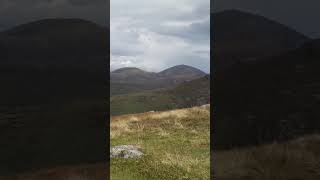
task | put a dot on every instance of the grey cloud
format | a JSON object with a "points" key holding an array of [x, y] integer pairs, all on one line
{"points": [[126, 52], [154, 35], [197, 31]]}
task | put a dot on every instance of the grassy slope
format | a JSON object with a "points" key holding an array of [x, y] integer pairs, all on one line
{"points": [[83, 172], [295, 160], [140, 102], [176, 145], [188, 94]]}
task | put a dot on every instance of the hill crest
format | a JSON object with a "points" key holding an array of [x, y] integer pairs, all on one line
{"points": [[129, 80], [241, 36], [50, 25], [174, 70]]}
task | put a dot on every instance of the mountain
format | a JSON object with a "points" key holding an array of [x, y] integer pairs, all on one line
{"points": [[129, 71], [187, 94], [52, 59], [57, 43], [273, 98], [52, 75], [181, 71], [128, 80], [240, 36]]}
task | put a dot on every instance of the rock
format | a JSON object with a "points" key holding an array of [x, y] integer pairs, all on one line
{"points": [[125, 151], [205, 106]]}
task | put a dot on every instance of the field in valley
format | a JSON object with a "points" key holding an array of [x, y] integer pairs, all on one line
{"points": [[176, 144]]}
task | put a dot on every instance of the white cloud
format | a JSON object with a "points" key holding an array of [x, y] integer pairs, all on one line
{"points": [[154, 35]]}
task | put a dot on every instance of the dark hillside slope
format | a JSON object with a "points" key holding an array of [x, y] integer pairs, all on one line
{"points": [[72, 43], [241, 36], [275, 98], [52, 75], [188, 94]]}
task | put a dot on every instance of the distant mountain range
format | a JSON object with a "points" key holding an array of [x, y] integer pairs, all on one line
{"points": [[134, 90], [128, 80]]}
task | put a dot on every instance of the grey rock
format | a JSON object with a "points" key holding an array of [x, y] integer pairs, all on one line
{"points": [[125, 151]]}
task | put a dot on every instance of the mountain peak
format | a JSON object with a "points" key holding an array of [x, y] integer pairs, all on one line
{"points": [[240, 36], [182, 70], [56, 43], [54, 26], [129, 71]]}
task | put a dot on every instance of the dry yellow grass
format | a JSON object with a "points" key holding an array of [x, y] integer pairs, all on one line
{"points": [[137, 122], [176, 144]]}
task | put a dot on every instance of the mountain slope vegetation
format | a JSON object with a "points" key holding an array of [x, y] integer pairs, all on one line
{"points": [[187, 94]]}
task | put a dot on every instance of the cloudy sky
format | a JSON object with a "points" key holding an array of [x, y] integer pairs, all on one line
{"points": [[154, 35]]}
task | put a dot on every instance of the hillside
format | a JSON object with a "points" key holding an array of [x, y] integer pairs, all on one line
{"points": [[129, 80], [52, 59], [59, 43], [241, 36], [175, 144], [297, 159], [187, 94], [181, 73], [80, 172], [52, 75], [275, 98]]}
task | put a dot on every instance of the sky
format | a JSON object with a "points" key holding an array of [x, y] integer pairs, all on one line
{"points": [[156, 34], [302, 15]]}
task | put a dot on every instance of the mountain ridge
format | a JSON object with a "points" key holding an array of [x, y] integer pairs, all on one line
{"points": [[128, 80], [181, 66], [243, 36], [55, 42]]}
